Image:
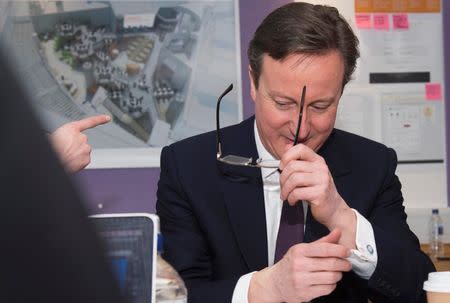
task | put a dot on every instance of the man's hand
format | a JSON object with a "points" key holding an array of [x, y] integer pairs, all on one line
{"points": [[307, 271], [305, 176], [72, 145]]}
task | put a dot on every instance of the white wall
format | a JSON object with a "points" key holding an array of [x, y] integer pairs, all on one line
{"points": [[418, 222]]}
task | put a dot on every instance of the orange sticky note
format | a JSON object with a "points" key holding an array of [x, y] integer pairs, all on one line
{"points": [[363, 21], [400, 21], [381, 21], [433, 91]]}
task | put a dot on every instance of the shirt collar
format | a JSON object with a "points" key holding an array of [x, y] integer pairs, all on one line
{"points": [[264, 154]]}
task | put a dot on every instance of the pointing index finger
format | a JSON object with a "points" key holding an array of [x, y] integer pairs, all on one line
{"points": [[91, 122]]}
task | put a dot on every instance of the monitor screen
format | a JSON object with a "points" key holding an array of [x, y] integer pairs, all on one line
{"points": [[129, 243]]}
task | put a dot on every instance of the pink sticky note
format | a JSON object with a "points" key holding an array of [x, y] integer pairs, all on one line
{"points": [[433, 91], [381, 21], [400, 21], [363, 21]]}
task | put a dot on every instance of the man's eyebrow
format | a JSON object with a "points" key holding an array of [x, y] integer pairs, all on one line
{"points": [[323, 100], [281, 95]]}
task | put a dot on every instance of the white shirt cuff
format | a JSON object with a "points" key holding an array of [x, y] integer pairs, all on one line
{"points": [[240, 293], [364, 259]]}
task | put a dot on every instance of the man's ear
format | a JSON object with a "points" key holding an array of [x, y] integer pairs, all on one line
{"points": [[252, 84]]}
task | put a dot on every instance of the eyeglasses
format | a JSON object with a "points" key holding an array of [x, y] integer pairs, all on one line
{"points": [[243, 161]]}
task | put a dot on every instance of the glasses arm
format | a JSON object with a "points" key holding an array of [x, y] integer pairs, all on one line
{"points": [[300, 115], [218, 142]]}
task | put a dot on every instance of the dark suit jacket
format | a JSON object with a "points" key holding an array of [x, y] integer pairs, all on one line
{"points": [[213, 218]]}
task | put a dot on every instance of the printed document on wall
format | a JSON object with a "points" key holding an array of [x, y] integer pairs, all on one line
{"points": [[401, 66]]}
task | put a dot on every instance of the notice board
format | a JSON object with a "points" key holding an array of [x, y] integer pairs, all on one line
{"points": [[396, 96]]}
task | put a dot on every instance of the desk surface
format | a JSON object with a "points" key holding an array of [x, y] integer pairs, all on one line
{"points": [[441, 265]]}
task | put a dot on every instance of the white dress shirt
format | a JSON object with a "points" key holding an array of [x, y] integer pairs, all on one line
{"points": [[363, 259]]}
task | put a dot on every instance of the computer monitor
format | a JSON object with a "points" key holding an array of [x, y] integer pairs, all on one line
{"points": [[130, 241]]}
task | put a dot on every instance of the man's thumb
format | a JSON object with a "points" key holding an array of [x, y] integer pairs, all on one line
{"points": [[332, 237]]}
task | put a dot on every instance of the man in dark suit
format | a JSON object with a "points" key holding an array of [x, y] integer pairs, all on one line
{"points": [[225, 224]]}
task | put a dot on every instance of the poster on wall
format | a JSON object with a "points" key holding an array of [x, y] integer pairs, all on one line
{"points": [[399, 80], [156, 67]]}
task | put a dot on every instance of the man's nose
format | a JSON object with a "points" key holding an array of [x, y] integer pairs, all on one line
{"points": [[303, 131]]}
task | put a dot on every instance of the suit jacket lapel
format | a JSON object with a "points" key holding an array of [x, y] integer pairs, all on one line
{"points": [[339, 165], [244, 198]]}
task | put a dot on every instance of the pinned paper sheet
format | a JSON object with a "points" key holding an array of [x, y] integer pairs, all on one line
{"points": [[400, 21], [363, 21], [433, 91], [381, 21]]}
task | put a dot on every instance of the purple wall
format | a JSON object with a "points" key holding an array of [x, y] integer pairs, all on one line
{"points": [[134, 189], [119, 190], [252, 12], [446, 25]]}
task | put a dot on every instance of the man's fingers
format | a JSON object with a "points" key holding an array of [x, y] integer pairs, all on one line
{"points": [[299, 152], [324, 277], [297, 166], [329, 264], [298, 180], [325, 247], [91, 122], [301, 193], [324, 250]]}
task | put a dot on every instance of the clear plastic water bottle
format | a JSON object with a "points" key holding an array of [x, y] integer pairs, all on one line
{"points": [[436, 232], [170, 287]]}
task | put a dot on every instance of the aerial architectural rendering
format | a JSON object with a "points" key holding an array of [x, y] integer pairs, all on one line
{"points": [[156, 68]]}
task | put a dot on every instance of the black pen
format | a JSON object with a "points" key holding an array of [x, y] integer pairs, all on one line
{"points": [[299, 123]]}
